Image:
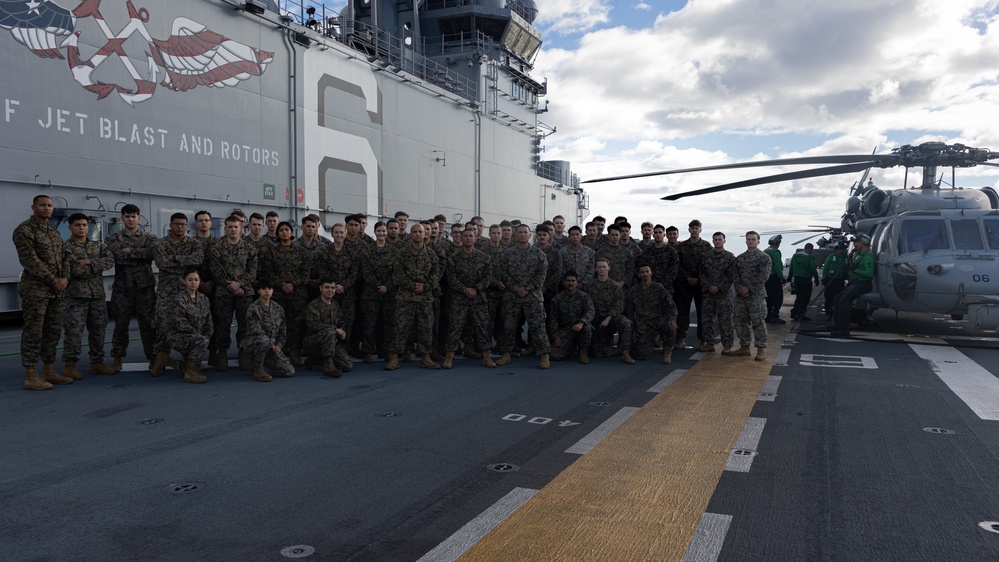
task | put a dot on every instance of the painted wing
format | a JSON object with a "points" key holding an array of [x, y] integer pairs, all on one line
{"points": [[195, 55], [39, 25]]}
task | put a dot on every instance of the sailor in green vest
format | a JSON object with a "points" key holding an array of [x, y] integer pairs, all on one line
{"points": [[834, 276], [802, 271], [860, 272], [775, 283]]}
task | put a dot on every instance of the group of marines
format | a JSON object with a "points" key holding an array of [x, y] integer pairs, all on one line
{"points": [[317, 300]]}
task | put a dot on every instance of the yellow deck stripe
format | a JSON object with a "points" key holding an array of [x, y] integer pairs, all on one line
{"points": [[640, 493]]}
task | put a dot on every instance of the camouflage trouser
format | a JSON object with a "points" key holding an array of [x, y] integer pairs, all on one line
{"points": [[603, 338], [91, 314], [720, 305], [325, 343], [685, 295], [192, 348], [474, 312], [166, 298], [495, 325], [42, 328], [138, 303], [225, 305], [377, 316], [751, 312], [571, 342], [410, 315], [534, 311], [347, 301], [645, 337], [294, 316], [258, 349]]}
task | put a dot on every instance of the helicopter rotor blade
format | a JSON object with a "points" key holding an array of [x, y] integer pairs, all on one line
{"points": [[988, 164], [840, 159], [804, 239], [814, 173]]}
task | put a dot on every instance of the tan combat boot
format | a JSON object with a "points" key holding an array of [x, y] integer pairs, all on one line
{"points": [[448, 360], [159, 363], [296, 359], [192, 372], [391, 362], [626, 357], [504, 359], [487, 361], [50, 374], [471, 352], [330, 370], [727, 350], [259, 374], [221, 363], [742, 352], [759, 354], [99, 368], [706, 347], [529, 351], [368, 358], [171, 362], [428, 363], [544, 363], [116, 365], [34, 382], [407, 355], [667, 357], [584, 357], [69, 370]]}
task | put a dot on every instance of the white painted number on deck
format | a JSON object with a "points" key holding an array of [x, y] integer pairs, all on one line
{"points": [[537, 420], [844, 361]]}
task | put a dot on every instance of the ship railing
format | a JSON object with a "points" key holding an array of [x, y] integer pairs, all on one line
{"points": [[458, 43], [523, 8]]}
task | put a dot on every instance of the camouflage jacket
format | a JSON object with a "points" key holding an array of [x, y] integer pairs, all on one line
{"points": [[172, 257], [377, 268], [263, 246], [266, 321], [496, 255], [692, 256], [650, 305], [341, 265], [583, 262], [40, 251], [553, 277], [568, 310], [752, 268], [608, 298], [717, 269], [622, 263], [315, 250], [473, 270], [233, 262], [191, 316], [416, 265], [204, 270], [524, 268], [665, 264], [285, 264], [132, 268], [87, 281], [320, 315]]}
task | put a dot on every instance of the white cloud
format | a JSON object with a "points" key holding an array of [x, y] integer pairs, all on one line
{"points": [[572, 16], [643, 6]]}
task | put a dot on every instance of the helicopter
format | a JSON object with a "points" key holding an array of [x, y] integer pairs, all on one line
{"points": [[936, 250]]}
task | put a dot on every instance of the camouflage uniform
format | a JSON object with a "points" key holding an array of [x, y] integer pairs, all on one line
{"points": [[289, 264], [493, 294], [343, 266], [691, 256], [567, 311], [321, 322], [186, 252], [583, 262], [133, 292], [315, 249], [190, 326], [524, 268], [464, 271], [377, 311], [608, 300], [265, 328], [414, 311], [622, 263], [553, 277], [232, 262], [651, 310], [263, 246], [86, 305], [440, 322], [40, 251], [752, 268], [636, 255], [717, 270], [664, 263]]}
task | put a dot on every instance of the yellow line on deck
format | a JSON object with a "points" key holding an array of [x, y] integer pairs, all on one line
{"points": [[641, 492]]}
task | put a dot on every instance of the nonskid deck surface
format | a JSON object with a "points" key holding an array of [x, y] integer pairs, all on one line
{"points": [[882, 446]]}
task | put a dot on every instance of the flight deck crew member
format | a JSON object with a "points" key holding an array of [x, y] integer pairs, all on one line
{"points": [[775, 283], [691, 254], [42, 284], [326, 339], [233, 261], [860, 268], [716, 285], [416, 278], [469, 274], [752, 269], [86, 305], [570, 322], [653, 314], [173, 254], [190, 325], [834, 277], [802, 271], [523, 268], [266, 335], [133, 292]]}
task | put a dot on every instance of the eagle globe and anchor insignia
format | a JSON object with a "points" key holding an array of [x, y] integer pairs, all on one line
{"points": [[193, 55]]}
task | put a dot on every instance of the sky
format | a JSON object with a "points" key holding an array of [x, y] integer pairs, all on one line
{"points": [[639, 86]]}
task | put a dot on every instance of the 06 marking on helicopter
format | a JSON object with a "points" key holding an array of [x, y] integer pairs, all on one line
{"points": [[838, 361]]}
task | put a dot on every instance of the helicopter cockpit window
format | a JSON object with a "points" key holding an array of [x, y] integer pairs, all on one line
{"points": [[967, 235], [992, 232], [920, 235]]}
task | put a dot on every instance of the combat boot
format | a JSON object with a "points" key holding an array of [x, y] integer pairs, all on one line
{"points": [[69, 370], [760, 354], [171, 362], [504, 360], [50, 374], [159, 363], [391, 362], [407, 355], [528, 351], [99, 368], [448, 360], [192, 372], [487, 361], [221, 363], [428, 363], [116, 365], [330, 370], [626, 357], [471, 352], [741, 352], [296, 359], [584, 357], [435, 356], [544, 363], [727, 350], [667, 357], [259, 374], [368, 358], [33, 382], [706, 347]]}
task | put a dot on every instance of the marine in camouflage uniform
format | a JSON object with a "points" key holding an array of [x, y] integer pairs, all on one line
{"points": [[377, 309], [494, 294], [523, 268], [691, 254], [231, 262], [568, 309], [621, 261], [716, 275], [652, 313], [315, 246], [665, 264], [172, 255], [416, 278], [322, 319], [581, 260], [342, 265], [608, 301], [265, 329], [752, 268], [86, 304], [469, 274], [190, 326], [133, 291], [289, 264], [40, 251]]}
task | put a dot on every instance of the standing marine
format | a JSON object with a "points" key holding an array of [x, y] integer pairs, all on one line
{"points": [[86, 304], [752, 269], [523, 268], [716, 285], [133, 291], [469, 274]]}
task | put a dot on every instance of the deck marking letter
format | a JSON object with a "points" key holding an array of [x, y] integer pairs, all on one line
{"points": [[839, 361]]}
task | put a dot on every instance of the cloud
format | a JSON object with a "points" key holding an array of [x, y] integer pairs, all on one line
{"points": [[572, 16]]}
